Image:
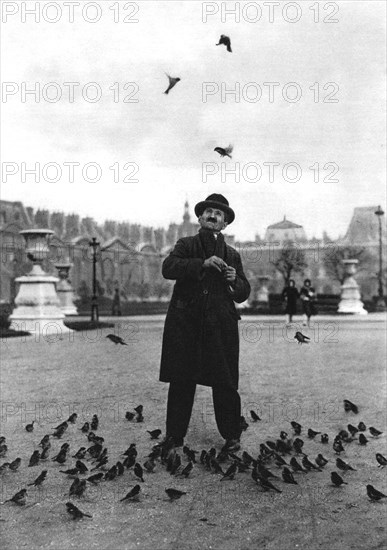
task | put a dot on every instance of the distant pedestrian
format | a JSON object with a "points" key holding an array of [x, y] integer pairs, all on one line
{"points": [[290, 295], [308, 297], [116, 305]]}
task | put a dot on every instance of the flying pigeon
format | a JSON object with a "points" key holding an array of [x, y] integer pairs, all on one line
{"points": [[225, 40], [226, 152], [116, 339], [172, 83]]}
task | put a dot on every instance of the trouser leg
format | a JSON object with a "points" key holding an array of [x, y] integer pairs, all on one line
{"points": [[179, 407], [227, 406]]}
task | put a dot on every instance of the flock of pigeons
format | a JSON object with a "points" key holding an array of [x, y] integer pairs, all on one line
{"points": [[92, 465]]}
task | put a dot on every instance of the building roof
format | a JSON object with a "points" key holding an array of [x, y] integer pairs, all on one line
{"points": [[285, 224], [364, 227]]}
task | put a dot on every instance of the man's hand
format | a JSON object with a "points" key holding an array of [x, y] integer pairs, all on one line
{"points": [[216, 263], [229, 274]]}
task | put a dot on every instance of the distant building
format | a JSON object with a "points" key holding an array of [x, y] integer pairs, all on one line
{"points": [[363, 229], [285, 231], [131, 254]]}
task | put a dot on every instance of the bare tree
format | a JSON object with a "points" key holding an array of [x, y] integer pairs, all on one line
{"points": [[291, 259], [333, 261]]}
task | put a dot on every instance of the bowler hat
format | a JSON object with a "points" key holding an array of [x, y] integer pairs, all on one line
{"points": [[216, 201]]}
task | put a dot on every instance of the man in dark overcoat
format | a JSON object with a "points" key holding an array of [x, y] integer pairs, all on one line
{"points": [[201, 339]]}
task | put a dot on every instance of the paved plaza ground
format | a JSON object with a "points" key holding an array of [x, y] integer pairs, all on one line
{"points": [[46, 378]]}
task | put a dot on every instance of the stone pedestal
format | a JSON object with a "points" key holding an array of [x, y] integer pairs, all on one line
{"points": [[37, 304], [261, 301], [263, 291], [350, 294], [64, 290], [380, 304]]}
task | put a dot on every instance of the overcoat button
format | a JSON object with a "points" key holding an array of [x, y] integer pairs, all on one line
{"points": [[205, 291]]}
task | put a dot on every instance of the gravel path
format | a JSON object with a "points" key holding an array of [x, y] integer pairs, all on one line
{"points": [[85, 373]]}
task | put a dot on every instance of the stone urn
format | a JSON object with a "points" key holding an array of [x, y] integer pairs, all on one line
{"points": [[65, 290], [350, 293], [261, 300], [263, 291], [37, 306]]}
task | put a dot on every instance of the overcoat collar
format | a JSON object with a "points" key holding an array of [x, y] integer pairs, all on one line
{"points": [[211, 246]]}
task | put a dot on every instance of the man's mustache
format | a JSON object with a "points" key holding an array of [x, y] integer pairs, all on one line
{"points": [[211, 220]]}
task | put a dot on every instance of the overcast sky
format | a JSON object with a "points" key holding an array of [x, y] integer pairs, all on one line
{"points": [[169, 137]]}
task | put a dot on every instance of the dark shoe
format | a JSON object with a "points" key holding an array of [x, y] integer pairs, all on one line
{"points": [[170, 442], [231, 446]]}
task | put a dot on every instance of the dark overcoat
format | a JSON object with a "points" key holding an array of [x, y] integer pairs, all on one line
{"points": [[290, 294], [201, 338], [308, 297]]}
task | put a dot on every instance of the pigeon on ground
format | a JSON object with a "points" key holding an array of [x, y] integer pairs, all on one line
{"points": [[301, 338], [80, 453], [352, 430], [254, 416], [39, 480], [381, 460], [288, 477], [14, 466], [231, 471], [338, 446], [19, 498], [34, 459], [337, 480], [374, 494], [133, 494], [308, 465], [150, 465], [174, 494], [350, 407], [138, 471], [155, 434], [296, 466], [95, 478], [75, 512], [266, 484], [343, 465], [321, 461], [296, 427], [94, 422], [187, 469]]}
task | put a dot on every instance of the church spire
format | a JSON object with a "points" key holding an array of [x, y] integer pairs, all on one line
{"points": [[186, 216]]}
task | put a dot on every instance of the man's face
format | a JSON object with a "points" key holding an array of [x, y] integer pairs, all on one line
{"points": [[213, 219]]}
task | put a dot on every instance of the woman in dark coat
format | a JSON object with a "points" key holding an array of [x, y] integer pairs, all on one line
{"points": [[201, 338], [290, 296], [308, 297]]}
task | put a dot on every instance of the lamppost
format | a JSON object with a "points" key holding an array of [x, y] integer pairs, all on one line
{"points": [[380, 304], [94, 300]]}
